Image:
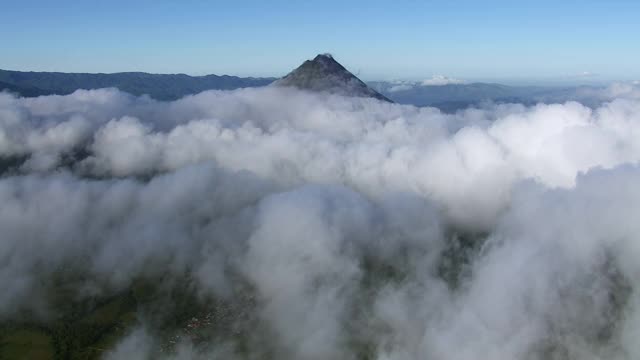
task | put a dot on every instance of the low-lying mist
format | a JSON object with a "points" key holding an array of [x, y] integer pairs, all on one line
{"points": [[329, 227]]}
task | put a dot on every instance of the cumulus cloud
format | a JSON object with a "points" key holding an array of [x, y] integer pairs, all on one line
{"points": [[346, 226], [435, 80], [438, 80]]}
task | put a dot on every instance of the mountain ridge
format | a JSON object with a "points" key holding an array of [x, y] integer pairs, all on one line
{"points": [[158, 86], [322, 73]]}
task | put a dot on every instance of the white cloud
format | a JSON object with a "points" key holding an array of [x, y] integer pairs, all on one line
{"points": [[401, 87], [339, 213], [438, 80], [583, 74]]}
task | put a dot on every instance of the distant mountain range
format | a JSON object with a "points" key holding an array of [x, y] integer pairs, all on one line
{"points": [[448, 95], [158, 86], [323, 73], [23, 91], [452, 97]]}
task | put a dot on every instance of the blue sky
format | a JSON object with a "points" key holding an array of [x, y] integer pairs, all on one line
{"points": [[478, 40]]}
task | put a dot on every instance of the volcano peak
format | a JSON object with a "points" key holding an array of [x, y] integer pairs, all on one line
{"points": [[325, 74]]}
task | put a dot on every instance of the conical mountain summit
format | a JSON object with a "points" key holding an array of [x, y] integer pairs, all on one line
{"points": [[325, 74]]}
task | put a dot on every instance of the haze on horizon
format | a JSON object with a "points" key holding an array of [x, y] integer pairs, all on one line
{"points": [[543, 42]]}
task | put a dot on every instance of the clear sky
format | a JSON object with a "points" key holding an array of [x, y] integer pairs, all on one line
{"points": [[489, 40]]}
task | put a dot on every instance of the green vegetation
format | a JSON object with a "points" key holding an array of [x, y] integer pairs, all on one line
{"points": [[455, 262], [26, 344], [79, 328]]}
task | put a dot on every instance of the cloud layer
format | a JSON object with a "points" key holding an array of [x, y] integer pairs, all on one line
{"points": [[501, 232]]}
